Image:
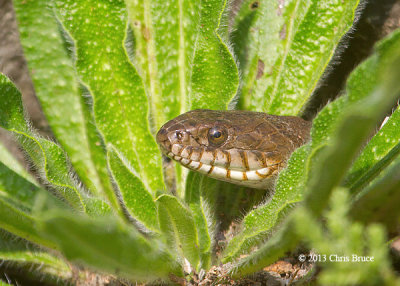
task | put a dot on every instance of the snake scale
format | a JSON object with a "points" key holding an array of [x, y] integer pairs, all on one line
{"points": [[242, 147]]}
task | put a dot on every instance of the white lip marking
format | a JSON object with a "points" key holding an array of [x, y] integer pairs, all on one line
{"points": [[219, 172], [252, 176], [236, 175], [254, 161], [204, 168], [263, 171], [194, 164], [236, 159], [185, 161]]}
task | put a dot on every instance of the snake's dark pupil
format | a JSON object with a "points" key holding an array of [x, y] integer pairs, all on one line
{"points": [[217, 134]]}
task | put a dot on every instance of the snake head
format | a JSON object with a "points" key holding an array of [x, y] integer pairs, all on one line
{"points": [[242, 147]]}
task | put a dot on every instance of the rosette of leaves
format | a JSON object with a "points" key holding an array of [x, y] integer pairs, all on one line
{"points": [[108, 74]]}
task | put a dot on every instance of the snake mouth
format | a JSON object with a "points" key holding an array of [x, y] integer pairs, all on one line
{"points": [[232, 165]]}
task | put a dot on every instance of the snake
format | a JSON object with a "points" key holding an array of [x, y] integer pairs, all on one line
{"points": [[242, 147]]}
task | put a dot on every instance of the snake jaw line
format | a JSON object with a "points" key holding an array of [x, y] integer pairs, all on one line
{"points": [[252, 146]]}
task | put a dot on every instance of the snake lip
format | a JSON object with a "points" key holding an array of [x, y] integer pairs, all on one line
{"points": [[254, 149]]}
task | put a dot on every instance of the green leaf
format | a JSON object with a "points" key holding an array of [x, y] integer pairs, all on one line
{"points": [[120, 102], [15, 182], [184, 62], [203, 221], [109, 246], [41, 265], [258, 223], [47, 156], [380, 150], [11, 162], [56, 85], [354, 128], [263, 37], [343, 237], [178, 225], [282, 241], [343, 141], [98, 155], [291, 182], [289, 49], [136, 197], [380, 201], [22, 224], [215, 78], [165, 45]]}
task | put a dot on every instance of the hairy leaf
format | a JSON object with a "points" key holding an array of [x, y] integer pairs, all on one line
{"points": [[41, 265], [56, 85], [291, 182], [120, 102], [107, 245], [47, 156], [136, 197], [289, 46], [178, 225], [22, 224], [201, 216]]}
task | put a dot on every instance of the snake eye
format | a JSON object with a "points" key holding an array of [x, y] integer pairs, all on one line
{"points": [[217, 135], [179, 135]]}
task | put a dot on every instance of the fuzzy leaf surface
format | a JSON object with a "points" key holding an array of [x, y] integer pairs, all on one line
{"points": [[47, 156], [20, 223], [136, 197], [41, 265], [107, 245], [194, 68], [194, 188], [380, 200], [178, 225], [381, 149], [289, 47], [56, 85], [292, 181], [120, 102], [352, 130]]}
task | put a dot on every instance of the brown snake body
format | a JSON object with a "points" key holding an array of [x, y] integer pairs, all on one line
{"points": [[242, 147]]}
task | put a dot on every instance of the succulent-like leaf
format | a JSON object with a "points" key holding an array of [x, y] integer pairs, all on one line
{"points": [[289, 46], [352, 130], [136, 197], [56, 85], [178, 225], [47, 156], [291, 182], [120, 102], [41, 265], [107, 245], [201, 216], [380, 201]]}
